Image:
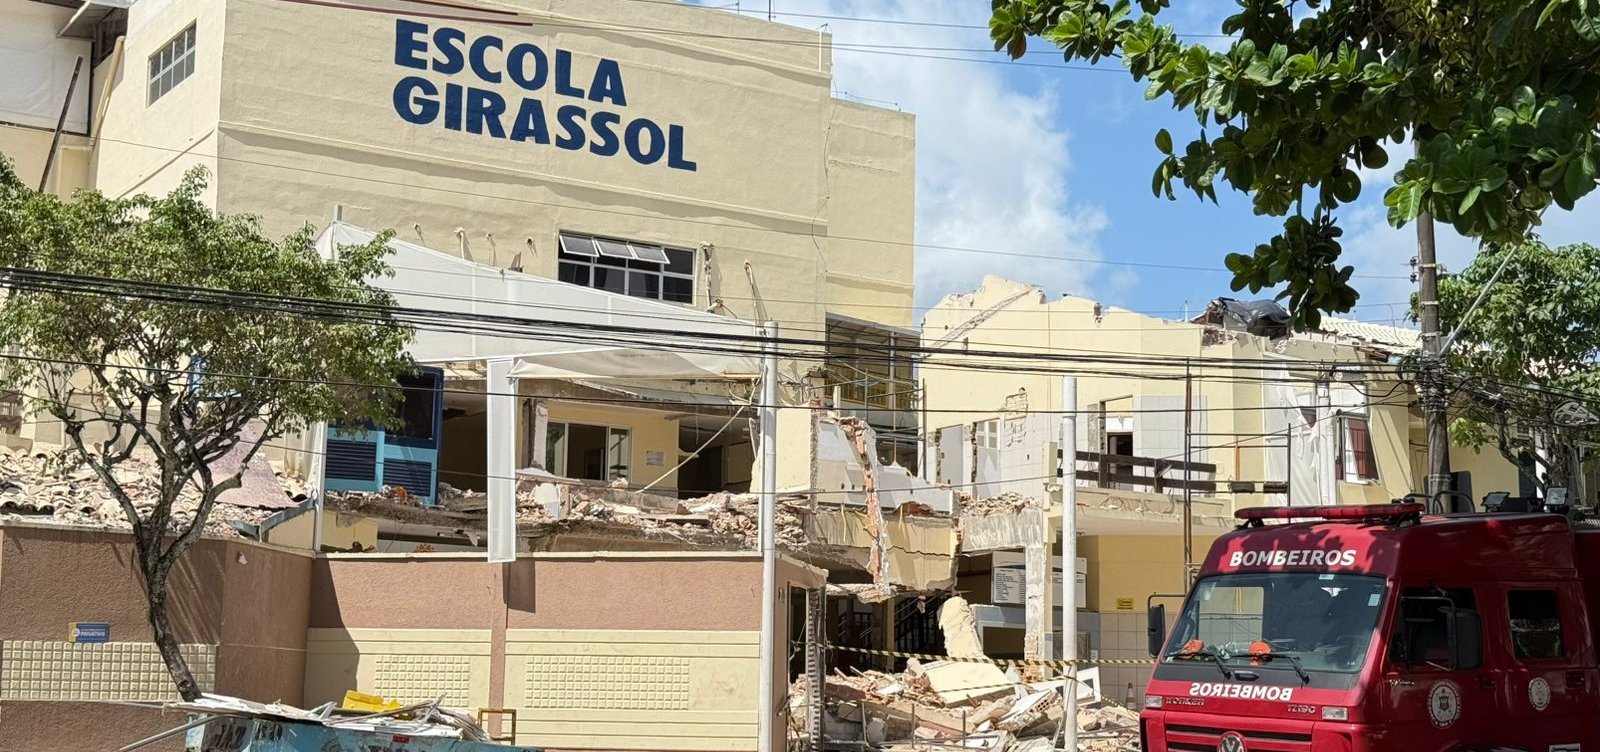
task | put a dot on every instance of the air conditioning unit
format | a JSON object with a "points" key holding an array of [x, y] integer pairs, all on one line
{"points": [[368, 458]]}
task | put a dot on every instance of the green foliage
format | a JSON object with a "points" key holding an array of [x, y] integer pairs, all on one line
{"points": [[1533, 344], [181, 379], [1500, 97]]}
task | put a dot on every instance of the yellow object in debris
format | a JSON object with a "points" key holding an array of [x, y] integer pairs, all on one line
{"points": [[354, 700]]}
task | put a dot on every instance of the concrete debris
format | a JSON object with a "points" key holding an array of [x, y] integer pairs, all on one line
{"points": [[960, 629], [1006, 503], [907, 711], [49, 487]]}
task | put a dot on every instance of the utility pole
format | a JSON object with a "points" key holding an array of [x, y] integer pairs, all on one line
{"points": [[1069, 559], [1188, 478], [1431, 378], [769, 551]]}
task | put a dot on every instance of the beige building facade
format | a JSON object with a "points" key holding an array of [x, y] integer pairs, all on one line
{"points": [[1298, 419], [680, 154]]}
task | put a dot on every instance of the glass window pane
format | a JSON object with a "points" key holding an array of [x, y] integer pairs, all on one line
{"points": [[616, 262], [576, 274], [677, 289], [651, 253], [1536, 623], [614, 248], [613, 280], [680, 262], [644, 285], [188, 65], [578, 245], [555, 448], [619, 450]]}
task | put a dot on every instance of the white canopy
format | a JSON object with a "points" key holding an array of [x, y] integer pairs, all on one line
{"points": [[661, 340]]}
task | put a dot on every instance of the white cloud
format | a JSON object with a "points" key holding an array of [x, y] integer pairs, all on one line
{"points": [[992, 160]]}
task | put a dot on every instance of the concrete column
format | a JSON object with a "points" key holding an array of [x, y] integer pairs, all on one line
{"points": [[1036, 586], [886, 631], [500, 462]]}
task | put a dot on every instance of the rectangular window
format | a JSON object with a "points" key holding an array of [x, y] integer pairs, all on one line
{"points": [[1356, 462], [1536, 623], [171, 64], [626, 267], [1422, 627], [575, 450]]}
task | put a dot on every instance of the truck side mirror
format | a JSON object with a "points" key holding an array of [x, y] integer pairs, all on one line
{"points": [[1466, 644], [1155, 628]]}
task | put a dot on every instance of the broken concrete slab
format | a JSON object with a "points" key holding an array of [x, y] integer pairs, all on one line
{"points": [[966, 683], [960, 629]]}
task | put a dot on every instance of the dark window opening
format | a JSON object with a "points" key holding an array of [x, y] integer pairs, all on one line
{"points": [[1536, 623], [1422, 629]]}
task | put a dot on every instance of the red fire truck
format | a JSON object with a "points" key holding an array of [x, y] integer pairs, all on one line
{"points": [[1381, 628]]}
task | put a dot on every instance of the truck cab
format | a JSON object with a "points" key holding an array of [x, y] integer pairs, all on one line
{"points": [[1382, 628]]}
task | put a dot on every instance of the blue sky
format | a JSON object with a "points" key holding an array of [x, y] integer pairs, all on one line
{"points": [[1040, 159]]}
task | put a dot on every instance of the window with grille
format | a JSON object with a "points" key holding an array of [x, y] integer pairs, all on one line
{"points": [[1355, 457], [641, 270], [1535, 623], [171, 64]]}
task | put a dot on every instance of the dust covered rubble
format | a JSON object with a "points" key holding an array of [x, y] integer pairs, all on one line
{"points": [[964, 704], [51, 488]]}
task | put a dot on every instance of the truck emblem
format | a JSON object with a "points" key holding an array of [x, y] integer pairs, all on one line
{"points": [[1444, 704], [1539, 693], [1231, 742]]}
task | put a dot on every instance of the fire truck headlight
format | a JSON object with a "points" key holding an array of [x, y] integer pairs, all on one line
{"points": [[1335, 714], [1152, 702]]}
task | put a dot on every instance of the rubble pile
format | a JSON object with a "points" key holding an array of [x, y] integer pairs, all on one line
{"points": [[969, 704], [49, 487], [1006, 503]]}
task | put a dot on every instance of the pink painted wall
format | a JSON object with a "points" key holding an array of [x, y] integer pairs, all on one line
{"points": [[249, 600], [702, 593]]}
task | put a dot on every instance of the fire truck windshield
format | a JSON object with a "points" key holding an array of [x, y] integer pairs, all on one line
{"points": [[1303, 623]]}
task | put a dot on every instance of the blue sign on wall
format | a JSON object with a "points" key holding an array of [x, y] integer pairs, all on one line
{"points": [[555, 100], [90, 631]]}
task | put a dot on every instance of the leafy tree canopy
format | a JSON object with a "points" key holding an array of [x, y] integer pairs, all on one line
{"points": [[1501, 99], [1531, 346], [111, 339]]}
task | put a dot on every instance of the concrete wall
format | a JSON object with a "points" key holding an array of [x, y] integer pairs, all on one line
{"points": [[240, 609], [585, 646]]}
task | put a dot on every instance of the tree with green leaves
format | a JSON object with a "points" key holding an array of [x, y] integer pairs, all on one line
{"points": [[132, 369], [1530, 347], [1500, 99]]}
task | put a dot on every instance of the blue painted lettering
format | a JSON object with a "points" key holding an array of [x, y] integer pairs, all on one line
{"points": [[479, 64], [518, 66], [452, 106], [478, 106], [675, 158], [449, 43], [570, 118], [604, 124], [564, 85], [412, 103], [484, 109], [408, 41], [642, 130], [607, 86], [530, 123]]}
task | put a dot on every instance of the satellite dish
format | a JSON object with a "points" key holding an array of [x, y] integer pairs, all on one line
{"points": [[1574, 413]]}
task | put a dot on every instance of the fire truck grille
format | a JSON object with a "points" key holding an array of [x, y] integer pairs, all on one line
{"points": [[1187, 738]]}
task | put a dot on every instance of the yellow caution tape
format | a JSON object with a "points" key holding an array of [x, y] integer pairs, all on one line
{"points": [[994, 661]]}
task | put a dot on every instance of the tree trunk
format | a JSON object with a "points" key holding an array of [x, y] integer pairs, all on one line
{"points": [[166, 641]]}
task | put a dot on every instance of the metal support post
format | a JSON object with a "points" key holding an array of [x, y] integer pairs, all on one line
{"points": [[1069, 560], [769, 557]]}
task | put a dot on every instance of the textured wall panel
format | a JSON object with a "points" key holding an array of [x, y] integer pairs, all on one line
{"points": [[608, 682], [419, 678], [56, 670]]}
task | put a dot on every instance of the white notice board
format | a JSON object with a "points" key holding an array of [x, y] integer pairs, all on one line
{"points": [[1010, 577]]}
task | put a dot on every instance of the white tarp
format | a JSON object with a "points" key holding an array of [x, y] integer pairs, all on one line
{"points": [[662, 341], [1311, 445], [38, 67]]}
